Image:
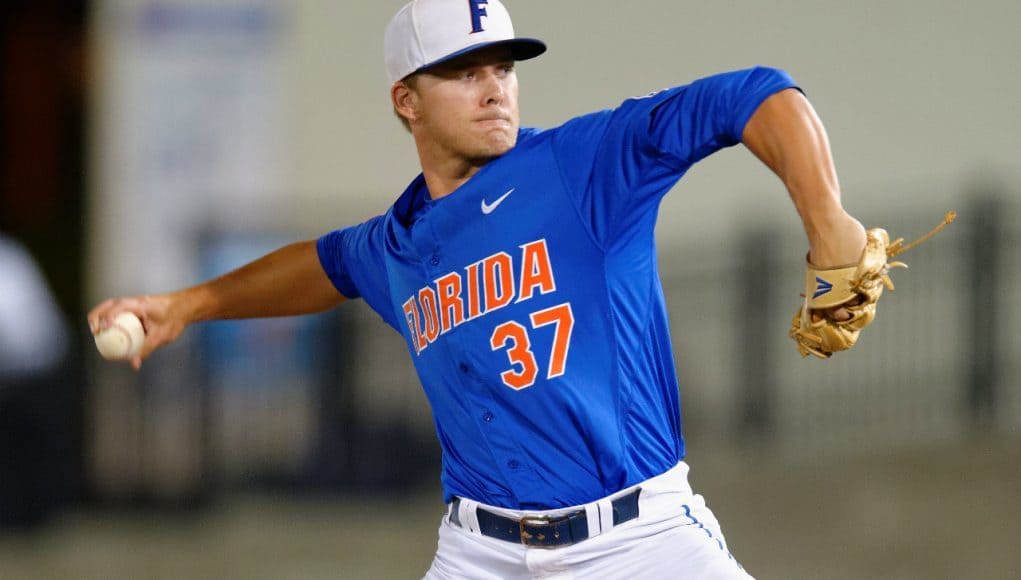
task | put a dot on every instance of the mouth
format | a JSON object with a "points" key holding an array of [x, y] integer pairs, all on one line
{"points": [[493, 120]]}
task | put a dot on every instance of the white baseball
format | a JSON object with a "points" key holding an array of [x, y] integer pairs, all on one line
{"points": [[123, 339]]}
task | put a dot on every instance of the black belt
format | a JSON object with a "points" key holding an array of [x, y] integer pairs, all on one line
{"points": [[542, 531]]}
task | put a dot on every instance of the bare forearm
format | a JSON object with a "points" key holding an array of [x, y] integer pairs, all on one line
{"points": [[289, 281], [787, 135], [286, 282]]}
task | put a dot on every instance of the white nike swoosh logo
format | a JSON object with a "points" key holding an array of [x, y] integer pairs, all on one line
{"points": [[487, 208]]}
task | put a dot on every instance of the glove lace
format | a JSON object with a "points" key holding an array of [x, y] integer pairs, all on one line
{"points": [[898, 247]]}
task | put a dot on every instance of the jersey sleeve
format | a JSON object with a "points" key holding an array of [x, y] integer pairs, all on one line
{"points": [[353, 259], [693, 121], [620, 162]]}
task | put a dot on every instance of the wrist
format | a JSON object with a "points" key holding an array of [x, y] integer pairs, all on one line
{"points": [[835, 241], [194, 304]]}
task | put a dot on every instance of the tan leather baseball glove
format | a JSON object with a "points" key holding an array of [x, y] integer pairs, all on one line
{"points": [[855, 289]]}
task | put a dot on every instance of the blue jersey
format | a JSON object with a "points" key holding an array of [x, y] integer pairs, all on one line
{"points": [[530, 301]]}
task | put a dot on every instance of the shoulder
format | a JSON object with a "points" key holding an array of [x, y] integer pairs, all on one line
{"points": [[354, 239], [368, 227], [580, 130]]}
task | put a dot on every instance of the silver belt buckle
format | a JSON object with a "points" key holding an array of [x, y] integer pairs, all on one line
{"points": [[536, 521]]}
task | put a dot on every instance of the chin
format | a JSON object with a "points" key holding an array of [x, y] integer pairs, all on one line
{"points": [[502, 143], [485, 153]]}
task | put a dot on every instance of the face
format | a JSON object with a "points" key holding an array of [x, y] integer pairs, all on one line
{"points": [[467, 108]]}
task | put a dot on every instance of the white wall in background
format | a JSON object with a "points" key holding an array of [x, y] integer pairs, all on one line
{"points": [[919, 99]]}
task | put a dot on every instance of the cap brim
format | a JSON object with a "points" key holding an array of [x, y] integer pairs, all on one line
{"points": [[521, 49]]}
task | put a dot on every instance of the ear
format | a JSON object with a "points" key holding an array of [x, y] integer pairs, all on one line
{"points": [[405, 101]]}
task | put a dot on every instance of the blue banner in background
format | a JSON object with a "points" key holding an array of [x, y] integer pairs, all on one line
{"points": [[263, 376]]}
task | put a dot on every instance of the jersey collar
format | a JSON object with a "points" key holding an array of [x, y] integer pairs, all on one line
{"points": [[415, 201]]}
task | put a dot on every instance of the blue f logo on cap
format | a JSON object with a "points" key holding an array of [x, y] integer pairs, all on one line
{"points": [[478, 11], [425, 33]]}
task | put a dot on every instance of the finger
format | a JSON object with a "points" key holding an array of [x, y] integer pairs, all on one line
{"points": [[136, 363], [158, 337], [839, 314], [843, 313], [98, 314], [102, 316], [143, 312], [149, 344]]}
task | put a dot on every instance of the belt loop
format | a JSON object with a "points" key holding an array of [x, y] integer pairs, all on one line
{"points": [[592, 515], [454, 512], [605, 514], [469, 516]]}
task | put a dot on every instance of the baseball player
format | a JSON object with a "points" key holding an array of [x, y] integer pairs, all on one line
{"points": [[520, 268]]}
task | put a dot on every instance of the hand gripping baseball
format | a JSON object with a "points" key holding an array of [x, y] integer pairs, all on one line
{"points": [[855, 289], [160, 321]]}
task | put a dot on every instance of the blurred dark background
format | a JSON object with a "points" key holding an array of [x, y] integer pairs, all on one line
{"points": [[42, 172]]}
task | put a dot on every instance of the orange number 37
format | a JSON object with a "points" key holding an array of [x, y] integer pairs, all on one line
{"points": [[514, 337]]}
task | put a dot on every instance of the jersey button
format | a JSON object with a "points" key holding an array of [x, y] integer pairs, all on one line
{"points": [[487, 417], [463, 367], [435, 260], [513, 464]]}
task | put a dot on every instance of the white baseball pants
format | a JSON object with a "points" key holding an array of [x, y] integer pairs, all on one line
{"points": [[674, 536]]}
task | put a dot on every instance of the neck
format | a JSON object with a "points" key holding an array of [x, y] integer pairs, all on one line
{"points": [[445, 171], [444, 178]]}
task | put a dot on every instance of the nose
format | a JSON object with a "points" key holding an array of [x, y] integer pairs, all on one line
{"points": [[495, 92]]}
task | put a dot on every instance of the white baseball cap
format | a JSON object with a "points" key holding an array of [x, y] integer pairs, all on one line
{"points": [[428, 32]]}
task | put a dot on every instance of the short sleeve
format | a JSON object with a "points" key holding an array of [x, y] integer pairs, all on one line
{"points": [[619, 163], [690, 122], [332, 248], [354, 260]]}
